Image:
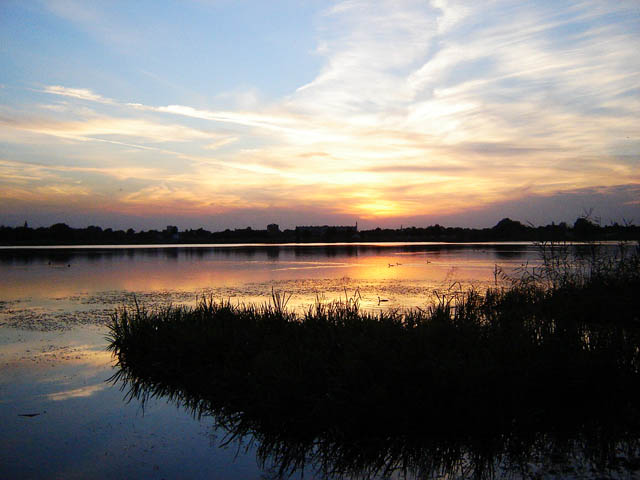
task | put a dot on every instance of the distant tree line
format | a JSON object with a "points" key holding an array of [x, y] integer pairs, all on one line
{"points": [[505, 230]]}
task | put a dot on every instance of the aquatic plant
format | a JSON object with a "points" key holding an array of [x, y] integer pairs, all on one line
{"points": [[476, 384]]}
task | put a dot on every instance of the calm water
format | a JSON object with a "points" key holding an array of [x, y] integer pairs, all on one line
{"points": [[55, 303]]}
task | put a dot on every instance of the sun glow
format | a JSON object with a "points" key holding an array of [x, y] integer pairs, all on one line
{"points": [[380, 208]]}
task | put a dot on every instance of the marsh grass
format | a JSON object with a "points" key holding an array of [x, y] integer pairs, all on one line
{"points": [[477, 383]]}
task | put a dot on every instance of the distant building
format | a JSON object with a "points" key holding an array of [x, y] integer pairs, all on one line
{"points": [[171, 233], [273, 228]]}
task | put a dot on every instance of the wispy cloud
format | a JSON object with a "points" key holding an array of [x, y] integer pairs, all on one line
{"points": [[105, 126], [79, 93], [221, 143], [99, 22]]}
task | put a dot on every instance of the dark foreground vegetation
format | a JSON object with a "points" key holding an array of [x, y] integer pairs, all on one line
{"points": [[539, 375], [505, 230]]}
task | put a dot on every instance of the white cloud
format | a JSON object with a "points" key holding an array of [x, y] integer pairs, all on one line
{"points": [[79, 93], [452, 13]]}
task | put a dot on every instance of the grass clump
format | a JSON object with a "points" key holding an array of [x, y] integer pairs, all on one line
{"points": [[476, 381]]}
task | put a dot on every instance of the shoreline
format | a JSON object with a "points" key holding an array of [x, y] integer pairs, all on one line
{"points": [[119, 246]]}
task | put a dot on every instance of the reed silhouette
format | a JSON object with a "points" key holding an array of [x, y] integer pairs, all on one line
{"points": [[543, 371]]}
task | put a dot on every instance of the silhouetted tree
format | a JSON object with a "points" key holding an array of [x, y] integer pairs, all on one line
{"points": [[584, 228]]}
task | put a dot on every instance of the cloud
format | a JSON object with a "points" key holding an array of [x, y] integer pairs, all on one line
{"points": [[107, 126], [221, 143], [401, 169], [79, 93], [100, 22], [368, 51], [30, 171]]}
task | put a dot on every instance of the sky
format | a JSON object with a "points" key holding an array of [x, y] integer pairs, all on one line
{"points": [[226, 114]]}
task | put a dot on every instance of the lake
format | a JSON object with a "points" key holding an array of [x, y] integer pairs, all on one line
{"points": [[60, 416]]}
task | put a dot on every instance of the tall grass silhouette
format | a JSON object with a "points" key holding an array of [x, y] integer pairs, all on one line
{"points": [[478, 383]]}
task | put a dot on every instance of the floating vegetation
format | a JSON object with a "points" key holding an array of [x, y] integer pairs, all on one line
{"points": [[44, 320], [541, 375]]}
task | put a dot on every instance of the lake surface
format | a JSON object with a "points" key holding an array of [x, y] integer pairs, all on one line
{"points": [[61, 418]]}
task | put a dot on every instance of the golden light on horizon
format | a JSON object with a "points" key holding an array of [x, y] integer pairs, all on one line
{"points": [[380, 208]]}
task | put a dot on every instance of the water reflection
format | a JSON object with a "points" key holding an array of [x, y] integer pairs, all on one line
{"points": [[375, 443], [29, 255], [39, 281], [356, 442], [248, 272]]}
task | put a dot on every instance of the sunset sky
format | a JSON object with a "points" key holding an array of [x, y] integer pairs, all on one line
{"points": [[226, 113]]}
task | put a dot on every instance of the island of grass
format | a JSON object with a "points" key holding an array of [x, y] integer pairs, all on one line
{"points": [[547, 367]]}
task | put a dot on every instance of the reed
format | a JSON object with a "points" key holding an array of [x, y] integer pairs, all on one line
{"points": [[474, 382]]}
